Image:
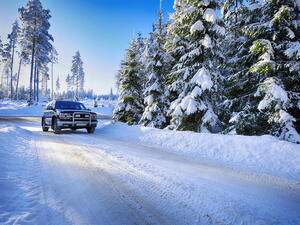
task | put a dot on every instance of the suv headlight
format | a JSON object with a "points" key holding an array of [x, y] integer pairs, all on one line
{"points": [[94, 116], [65, 115]]}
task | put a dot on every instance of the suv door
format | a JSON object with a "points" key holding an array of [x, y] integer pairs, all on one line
{"points": [[49, 113]]}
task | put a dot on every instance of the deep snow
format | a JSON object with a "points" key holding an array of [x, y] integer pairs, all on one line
{"points": [[261, 154], [20, 108], [136, 175], [132, 175]]}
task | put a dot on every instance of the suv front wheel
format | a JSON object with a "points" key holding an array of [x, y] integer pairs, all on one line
{"points": [[56, 128], [90, 130]]}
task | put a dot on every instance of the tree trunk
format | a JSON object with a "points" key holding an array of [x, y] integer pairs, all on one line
{"points": [[31, 70], [52, 93], [18, 77], [46, 83], [35, 81], [77, 84], [37, 84], [11, 72]]}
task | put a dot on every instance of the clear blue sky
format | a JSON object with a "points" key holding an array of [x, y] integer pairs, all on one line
{"points": [[99, 29]]}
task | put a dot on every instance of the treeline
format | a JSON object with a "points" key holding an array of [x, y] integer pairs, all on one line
{"points": [[31, 44], [239, 74]]}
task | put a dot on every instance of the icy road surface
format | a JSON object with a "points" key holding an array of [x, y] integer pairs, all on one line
{"points": [[77, 178]]}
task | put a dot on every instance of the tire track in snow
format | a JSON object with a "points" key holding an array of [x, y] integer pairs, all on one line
{"points": [[19, 184], [92, 176], [156, 187], [236, 208]]}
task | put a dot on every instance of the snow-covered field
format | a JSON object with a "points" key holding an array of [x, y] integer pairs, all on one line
{"points": [[134, 175], [20, 109], [264, 154]]}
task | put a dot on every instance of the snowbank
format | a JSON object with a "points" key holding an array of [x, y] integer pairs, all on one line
{"points": [[104, 107], [20, 108], [261, 154]]}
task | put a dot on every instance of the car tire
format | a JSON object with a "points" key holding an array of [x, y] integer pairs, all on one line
{"points": [[44, 127], [56, 128], [90, 130]]}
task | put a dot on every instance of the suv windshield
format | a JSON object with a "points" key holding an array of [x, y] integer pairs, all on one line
{"points": [[69, 105]]}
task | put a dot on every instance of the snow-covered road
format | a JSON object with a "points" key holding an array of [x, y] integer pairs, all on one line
{"points": [[77, 178]]}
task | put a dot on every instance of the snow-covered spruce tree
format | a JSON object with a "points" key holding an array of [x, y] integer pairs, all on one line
{"points": [[69, 83], [156, 65], [176, 46], [42, 59], [1, 48], [197, 30], [35, 36], [23, 60], [130, 103], [1, 55], [57, 84], [54, 60], [239, 112], [77, 75], [44, 73], [6, 69], [10, 48], [278, 48]]}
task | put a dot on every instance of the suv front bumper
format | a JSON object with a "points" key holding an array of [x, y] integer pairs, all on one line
{"points": [[63, 124]]}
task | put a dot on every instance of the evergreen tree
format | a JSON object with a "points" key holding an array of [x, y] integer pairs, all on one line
{"points": [[54, 60], [23, 60], [196, 76], [263, 82], [111, 95], [6, 77], [6, 69], [130, 103], [239, 83], [57, 84], [156, 65], [1, 55], [44, 72], [69, 82], [77, 74], [1, 48], [35, 37], [10, 48], [278, 50]]}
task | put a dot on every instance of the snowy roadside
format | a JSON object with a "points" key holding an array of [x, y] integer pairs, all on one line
{"points": [[259, 154], [19, 178], [113, 177], [20, 108]]}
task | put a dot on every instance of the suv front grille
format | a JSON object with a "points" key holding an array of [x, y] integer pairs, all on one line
{"points": [[81, 116]]}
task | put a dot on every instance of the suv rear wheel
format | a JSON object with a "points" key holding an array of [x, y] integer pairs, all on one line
{"points": [[44, 127]]}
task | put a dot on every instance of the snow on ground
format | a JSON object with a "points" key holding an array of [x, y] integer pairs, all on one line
{"points": [[19, 193], [264, 154], [131, 175], [104, 107], [124, 175], [21, 109]]}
